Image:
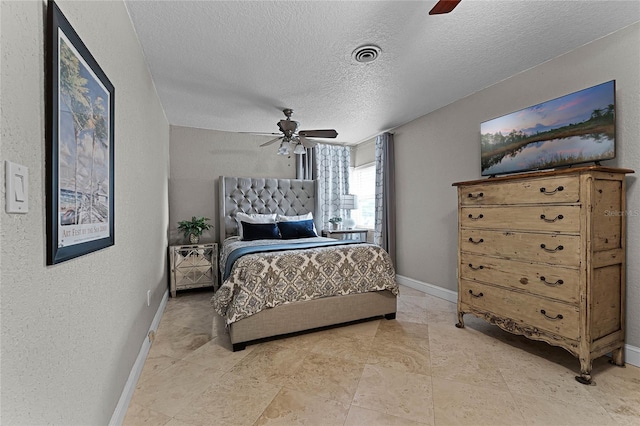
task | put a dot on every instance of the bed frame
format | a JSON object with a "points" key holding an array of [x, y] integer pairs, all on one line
{"points": [[289, 197]]}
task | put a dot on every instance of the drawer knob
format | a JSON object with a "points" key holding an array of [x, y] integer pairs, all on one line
{"points": [[480, 216], [476, 242], [475, 268], [557, 283], [559, 217], [475, 295], [544, 247], [475, 197], [557, 317], [545, 192]]}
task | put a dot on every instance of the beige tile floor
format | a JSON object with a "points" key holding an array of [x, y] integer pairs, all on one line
{"points": [[416, 370]]}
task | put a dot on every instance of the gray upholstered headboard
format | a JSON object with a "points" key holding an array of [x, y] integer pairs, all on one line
{"points": [[262, 195]]}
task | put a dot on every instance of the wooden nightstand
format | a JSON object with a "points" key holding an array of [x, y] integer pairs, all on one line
{"points": [[346, 234], [193, 266]]}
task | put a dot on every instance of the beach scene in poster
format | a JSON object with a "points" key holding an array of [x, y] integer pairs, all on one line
{"points": [[83, 150], [572, 129]]}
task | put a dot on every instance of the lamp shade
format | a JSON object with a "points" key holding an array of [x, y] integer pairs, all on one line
{"points": [[349, 201]]}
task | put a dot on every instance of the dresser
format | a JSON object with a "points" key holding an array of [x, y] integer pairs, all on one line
{"points": [[193, 266], [543, 255]]}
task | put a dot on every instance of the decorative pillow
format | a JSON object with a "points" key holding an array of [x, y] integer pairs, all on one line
{"points": [[253, 218], [259, 231], [300, 229], [308, 216]]}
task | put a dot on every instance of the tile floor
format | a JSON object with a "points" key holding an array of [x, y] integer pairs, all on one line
{"points": [[416, 370]]}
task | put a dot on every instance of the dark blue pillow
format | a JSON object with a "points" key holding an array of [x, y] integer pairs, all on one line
{"points": [[299, 229], [259, 231]]}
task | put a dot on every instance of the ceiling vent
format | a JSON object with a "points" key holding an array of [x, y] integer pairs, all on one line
{"points": [[366, 54]]}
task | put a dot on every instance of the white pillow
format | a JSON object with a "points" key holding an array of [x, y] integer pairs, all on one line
{"points": [[253, 218], [298, 218], [308, 216]]}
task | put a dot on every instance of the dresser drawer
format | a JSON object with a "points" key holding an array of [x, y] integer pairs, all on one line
{"points": [[522, 308], [524, 218], [564, 189], [536, 278], [546, 248]]}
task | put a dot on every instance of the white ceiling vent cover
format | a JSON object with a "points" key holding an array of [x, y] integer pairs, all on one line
{"points": [[366, 54]]}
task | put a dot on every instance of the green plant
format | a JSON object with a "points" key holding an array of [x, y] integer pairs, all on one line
{"points": [[194, 226], [335, 220]]}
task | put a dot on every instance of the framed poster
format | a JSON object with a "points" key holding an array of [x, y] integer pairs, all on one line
{"points": [[80, 152]]}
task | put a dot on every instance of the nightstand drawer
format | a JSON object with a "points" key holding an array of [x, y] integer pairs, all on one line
{"points": [[193, 266]]}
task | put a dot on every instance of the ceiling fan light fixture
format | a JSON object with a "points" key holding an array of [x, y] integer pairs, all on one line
{"points": [[366, 54], [284, 147], [299, 150]]}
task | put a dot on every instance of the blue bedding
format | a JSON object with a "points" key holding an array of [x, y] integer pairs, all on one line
{"points": [[239, 252]]}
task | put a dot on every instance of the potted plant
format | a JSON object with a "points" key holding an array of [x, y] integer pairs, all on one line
{"points": [[335, 222], [193, 228]]}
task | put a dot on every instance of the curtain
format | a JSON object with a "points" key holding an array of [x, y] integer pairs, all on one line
{"points": [[305, 164], [332, 180], [385, 205]]}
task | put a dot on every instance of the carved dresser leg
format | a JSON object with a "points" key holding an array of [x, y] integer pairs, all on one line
{"points": [[460, 323], [585, 371]]}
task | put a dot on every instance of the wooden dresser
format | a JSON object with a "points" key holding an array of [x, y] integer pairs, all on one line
{"points": [[543, 255]]}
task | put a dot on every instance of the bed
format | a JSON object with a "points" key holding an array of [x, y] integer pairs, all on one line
{"points": [[277, 292]]}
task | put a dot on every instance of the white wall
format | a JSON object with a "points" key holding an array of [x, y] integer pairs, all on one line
{"points": [[71, 332], [199, 157], [443, 147]]}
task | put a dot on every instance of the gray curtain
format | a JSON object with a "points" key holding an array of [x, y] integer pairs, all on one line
{"points": [[305, 165], [332, 180], [385, 207]]}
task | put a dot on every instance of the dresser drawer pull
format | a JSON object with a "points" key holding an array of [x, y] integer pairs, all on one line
{"points": [[476, 242], [475, 197], [475, 268], [475, 295], [545, 192], [557, 283], [557, 317], [544, 247], [480, 216], [559, 217]]}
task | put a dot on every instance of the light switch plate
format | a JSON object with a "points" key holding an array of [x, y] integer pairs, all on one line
{"points": [[16, 188]]}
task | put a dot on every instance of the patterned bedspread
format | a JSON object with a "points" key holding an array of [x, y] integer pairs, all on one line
{"points": [[266, 280]]}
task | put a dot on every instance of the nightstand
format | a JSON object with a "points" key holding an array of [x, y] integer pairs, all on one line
{"points": [[193, 266], [346, 234]]}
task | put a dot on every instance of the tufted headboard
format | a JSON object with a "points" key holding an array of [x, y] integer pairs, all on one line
{"points": [[262, 195]]}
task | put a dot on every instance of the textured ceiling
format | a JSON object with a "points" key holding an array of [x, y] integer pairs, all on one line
{"points": [[233, 66]]}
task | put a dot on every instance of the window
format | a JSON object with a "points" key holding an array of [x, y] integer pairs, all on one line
{"points": [[363, 184]]}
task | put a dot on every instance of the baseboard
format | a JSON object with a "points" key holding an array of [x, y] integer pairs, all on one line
{"points": [[433, 290], [125, 398], [631, 353]]}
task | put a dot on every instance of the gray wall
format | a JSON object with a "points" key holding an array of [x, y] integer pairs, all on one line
{"points": [[199, 157], [443, 147], [71, 332]]}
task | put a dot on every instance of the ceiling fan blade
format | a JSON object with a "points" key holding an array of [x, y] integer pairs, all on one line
{"points": [[444, 6], [328, 133], [308, 143], [271, 141], [261, 134]]}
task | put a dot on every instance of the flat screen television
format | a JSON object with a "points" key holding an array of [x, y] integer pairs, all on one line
{"points": [[572, 129]]}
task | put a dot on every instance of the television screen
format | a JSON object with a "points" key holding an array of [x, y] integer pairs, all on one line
{"points": [[572, 129]]}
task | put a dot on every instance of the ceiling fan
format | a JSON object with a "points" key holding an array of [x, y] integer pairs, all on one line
{"points": [[297, 140], [444, 6]]}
